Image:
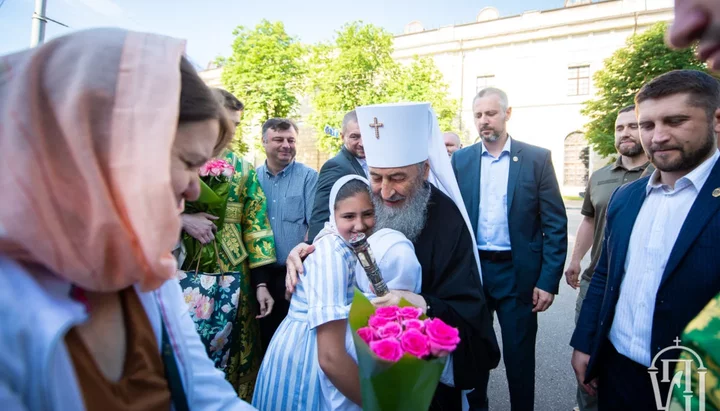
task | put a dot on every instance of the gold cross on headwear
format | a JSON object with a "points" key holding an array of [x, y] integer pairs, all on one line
{"points": [[376, 126]]}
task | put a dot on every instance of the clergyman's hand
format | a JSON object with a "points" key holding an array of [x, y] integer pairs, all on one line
{"points": [[579, 363], [200, 226], [294, 265], [572, 274], [542, 300], [386, 300], [265, 300], [394, 296]]}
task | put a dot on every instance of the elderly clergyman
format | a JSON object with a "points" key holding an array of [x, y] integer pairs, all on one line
{"points": [[403, 144]]}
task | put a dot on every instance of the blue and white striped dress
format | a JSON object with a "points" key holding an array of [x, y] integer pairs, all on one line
{"points": [[289, 377]]}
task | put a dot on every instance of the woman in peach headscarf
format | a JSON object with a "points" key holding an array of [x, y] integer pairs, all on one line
{"points": [[101, 136]]}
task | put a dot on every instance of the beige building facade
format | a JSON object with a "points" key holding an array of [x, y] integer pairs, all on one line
{"points": [[544, 60]]}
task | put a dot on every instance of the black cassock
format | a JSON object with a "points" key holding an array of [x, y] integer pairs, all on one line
{"points": [[452, 289]]}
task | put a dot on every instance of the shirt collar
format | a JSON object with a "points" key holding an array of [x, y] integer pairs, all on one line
{"points": [[619, 164], [282, 172], [696, 177], [506, 147]]}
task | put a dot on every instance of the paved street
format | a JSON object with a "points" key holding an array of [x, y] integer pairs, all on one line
{"points": [[554, 379]]}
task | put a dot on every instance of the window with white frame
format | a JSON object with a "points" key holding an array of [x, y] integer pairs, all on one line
{"points": [[578, 80]]}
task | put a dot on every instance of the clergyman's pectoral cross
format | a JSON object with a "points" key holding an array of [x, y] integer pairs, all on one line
{"points": [[376, 126]]}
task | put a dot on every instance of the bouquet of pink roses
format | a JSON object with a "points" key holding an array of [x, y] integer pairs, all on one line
{"points": [[217, 170], [215, 178], [401, 354]]}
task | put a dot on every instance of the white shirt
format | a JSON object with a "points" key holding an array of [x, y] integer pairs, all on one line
{"points": [[363, 164], [653, 236], [38, 372], [493, 230]]}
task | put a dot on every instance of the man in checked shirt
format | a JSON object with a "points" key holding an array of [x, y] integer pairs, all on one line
{"points": [[290, 190]]}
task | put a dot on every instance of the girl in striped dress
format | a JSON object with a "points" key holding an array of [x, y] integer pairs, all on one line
{"points": [[290, 375]]}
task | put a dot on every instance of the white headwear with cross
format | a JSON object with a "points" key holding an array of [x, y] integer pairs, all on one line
{"points": [[393, 134], [402, 134]]}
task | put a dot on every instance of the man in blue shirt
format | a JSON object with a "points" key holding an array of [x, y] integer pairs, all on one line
{"points": [[290, 189], [514, 203]]}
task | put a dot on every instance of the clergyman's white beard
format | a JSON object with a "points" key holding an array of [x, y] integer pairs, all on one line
{"points": [[410, 218]]}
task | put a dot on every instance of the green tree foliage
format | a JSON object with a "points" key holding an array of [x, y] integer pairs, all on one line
{"points": [[644, 57], [423, 81], [347, 73], [266, 71], [358, 69]]}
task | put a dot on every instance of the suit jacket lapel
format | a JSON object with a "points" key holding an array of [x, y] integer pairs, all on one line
{"points": [[704, 207], [622, 230], [514, 172], [353, 161], [474, 181]]}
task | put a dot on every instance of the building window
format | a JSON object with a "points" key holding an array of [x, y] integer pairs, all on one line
{"points": [[484, 82], [578, 80], [576, 166]]}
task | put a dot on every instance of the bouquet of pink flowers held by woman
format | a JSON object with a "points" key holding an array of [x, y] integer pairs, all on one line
{"points": [[215, 178], [401, 354], [395, 331], [218, 170]]}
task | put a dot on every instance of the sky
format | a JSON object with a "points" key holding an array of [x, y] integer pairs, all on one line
{"points": [[208, 25]]}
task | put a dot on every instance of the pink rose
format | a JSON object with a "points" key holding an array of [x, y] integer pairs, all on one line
{"points": [[410, 313], [415, 343], [390, 330], [439, 350], [377, 322], [228, 171], [389, 313], [367, 334], [443, 338], [216, 170], [388, 349], [414, 325]]}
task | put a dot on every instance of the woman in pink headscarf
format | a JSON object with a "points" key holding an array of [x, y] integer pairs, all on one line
{"points": [[101, 136]]}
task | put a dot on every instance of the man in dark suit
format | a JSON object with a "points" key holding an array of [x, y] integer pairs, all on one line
{"points": [[659, 265], [512, 196], [350, 160]]}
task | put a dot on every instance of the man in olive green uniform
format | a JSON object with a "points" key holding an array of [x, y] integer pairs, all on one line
{"points": [[630, 165]]}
